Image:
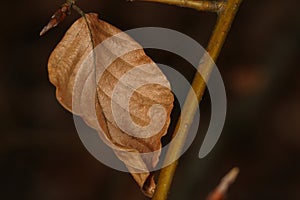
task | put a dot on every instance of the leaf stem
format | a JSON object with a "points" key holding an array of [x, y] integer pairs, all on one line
{"points": [[211, 6], [226, 13], [78, 9], [75, 7]]}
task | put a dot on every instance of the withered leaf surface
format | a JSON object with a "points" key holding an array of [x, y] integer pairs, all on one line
{"points": [[129, 104]]}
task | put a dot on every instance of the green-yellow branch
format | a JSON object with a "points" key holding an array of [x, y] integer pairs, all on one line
{"points": [[227, 12], [211, 6]]}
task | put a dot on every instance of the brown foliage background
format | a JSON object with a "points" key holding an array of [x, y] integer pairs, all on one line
{"points": [[41, 156]]}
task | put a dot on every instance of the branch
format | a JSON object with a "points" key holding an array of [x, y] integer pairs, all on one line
{"points": [[223, 25], [220, 192], [211, 6]]}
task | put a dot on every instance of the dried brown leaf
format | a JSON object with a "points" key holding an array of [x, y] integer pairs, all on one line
{"points": [[71, 70]]}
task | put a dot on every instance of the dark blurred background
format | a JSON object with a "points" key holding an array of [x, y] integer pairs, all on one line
{"points": [[42, 157]]}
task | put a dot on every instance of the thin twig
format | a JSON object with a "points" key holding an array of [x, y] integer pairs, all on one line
{"points": [[210, 6], [226, 16], [220, 192]]}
